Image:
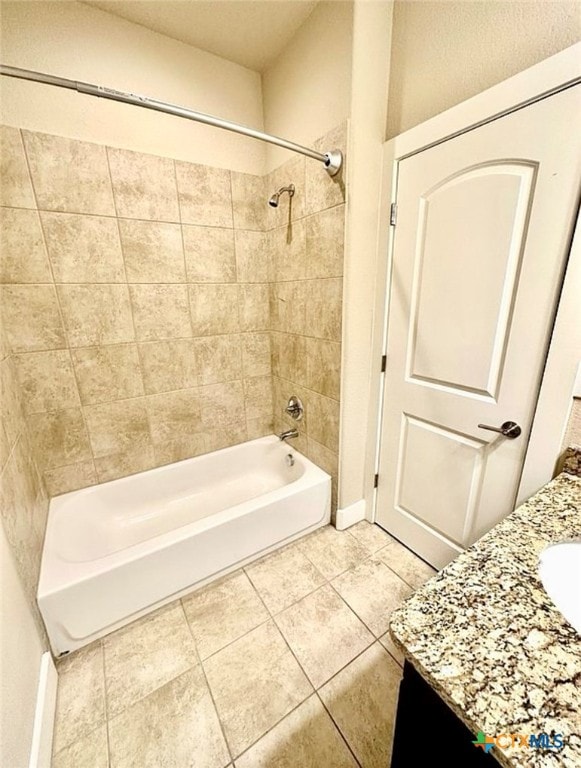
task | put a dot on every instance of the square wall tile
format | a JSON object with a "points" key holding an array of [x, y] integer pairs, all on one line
{"points": [[305, 737], [124, 463], [108, 373], [289, 250], [153, 251], [60, 438], [69, 175], [327, 460], [249, 200], [210, 254], [289, 357], [31, 317], [23, 257], [144, 185], [258, 397], [288, 306], [223, 612], [117, 427], [146, 655], [160, 311], [254, 307], [83, 249], [218, 358], [362, 699], [253, 257], [47, 381], [96, 314], [224, 437], [323, 653], [255, 682], [324, 367], [64, 479], [11, 410], [325, 243], [168, 365], [214, 309], [178, 449], [260, 427], [222, 404], [174, 415], [324, 306], [16, 188], [175, 726], [81, 696], [324, 421], [205, 195], [256, 354]]}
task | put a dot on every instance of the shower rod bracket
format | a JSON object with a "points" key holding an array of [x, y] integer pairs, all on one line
{"points": [[332, 161]]}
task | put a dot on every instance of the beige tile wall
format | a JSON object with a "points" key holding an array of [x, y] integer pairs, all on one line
{"points": [[306, 244], [149, 303], [23, 498]]}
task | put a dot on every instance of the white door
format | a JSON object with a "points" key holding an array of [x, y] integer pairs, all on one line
{"points": [[484, 223]]}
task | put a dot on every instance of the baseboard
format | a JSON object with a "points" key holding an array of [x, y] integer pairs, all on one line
{"points": [[42, 733], [352, 514]]}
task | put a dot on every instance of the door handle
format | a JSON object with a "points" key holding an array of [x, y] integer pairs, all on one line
{"points": [[509, 429]]}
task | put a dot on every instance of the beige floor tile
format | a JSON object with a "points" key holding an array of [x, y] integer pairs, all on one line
{"points": [[284, 577], [370, 536], [333, 551], [146, 655], [90, 751], [373, 592], [174, 727], [307, 738], [255, 682], [323, 633], [362, 699], [81, 696], [408, 566], [223, 612], [392, 648]]}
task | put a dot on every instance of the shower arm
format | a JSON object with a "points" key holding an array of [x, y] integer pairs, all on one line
{"points": [[332, 160]]}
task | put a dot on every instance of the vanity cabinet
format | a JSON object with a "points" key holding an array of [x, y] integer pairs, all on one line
{"points": [[427, 732]]}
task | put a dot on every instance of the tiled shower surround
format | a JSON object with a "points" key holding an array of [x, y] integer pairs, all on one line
{"points": [[152, 307]]}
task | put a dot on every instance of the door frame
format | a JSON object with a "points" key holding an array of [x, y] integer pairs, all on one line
{"points": [[544, 79]]}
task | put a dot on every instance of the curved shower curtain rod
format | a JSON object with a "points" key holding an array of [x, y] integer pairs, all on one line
{"points": [[332, 160]]}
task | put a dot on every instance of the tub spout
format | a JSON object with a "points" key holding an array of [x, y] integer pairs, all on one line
{"points": [[289, 434]]}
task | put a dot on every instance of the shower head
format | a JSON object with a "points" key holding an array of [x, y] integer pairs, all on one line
{"points": [[273, 202]]}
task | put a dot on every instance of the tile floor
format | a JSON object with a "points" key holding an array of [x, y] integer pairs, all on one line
{"points": [[283, 664]]}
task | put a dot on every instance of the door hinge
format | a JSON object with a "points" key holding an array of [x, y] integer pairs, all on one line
{"points": [[376, 481], [393, 215], [383, 363]]}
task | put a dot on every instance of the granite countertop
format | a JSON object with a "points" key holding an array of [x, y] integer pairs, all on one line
{"points": [[488, 639]]}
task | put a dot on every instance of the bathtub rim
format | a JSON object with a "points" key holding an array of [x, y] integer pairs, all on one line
{"points": [[56, 572]]}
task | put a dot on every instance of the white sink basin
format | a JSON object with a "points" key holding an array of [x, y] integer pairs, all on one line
{"points": [[560, 572]]}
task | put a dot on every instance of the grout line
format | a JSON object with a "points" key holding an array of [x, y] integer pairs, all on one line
{"points": [[180, 600], [64, 326], [337, 726]]}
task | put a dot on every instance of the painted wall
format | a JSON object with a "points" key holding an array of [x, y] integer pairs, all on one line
{"points": [[20, 653], [76, 41], [445, 52], [307, 91]]}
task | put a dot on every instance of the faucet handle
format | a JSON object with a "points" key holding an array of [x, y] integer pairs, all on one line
{"points": [[294, 408]]}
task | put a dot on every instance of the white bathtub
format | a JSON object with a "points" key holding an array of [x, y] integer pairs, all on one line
{"points": [[113, 552]]}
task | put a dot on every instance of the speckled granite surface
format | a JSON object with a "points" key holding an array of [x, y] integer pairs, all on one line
{"points": [[572, 460], [488, 639]]}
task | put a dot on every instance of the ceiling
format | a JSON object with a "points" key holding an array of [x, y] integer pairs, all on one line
{"points": [[249, 32]]}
